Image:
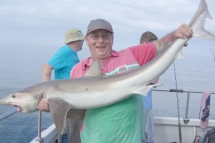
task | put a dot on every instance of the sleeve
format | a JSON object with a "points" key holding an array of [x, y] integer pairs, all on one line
{"points": [[59, 59], [144, 53]]}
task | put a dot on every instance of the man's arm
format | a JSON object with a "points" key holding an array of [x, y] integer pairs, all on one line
{"points": [[182, 32], [46, 75], [46, 72]]}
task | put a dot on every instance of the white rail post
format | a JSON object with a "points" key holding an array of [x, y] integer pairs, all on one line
{"points": [[39, 139]]}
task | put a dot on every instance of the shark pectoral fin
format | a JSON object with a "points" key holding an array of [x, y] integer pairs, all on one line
{"points": [[77, 114], [59, 109], [146, 88], [143, 90], [156, 85]]}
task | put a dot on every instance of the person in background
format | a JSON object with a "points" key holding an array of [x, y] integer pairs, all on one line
{"points": [[146, 38], [62, 62], [121, 122]]}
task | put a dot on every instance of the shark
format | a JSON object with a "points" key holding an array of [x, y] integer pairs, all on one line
{"points": [[71, 97]]}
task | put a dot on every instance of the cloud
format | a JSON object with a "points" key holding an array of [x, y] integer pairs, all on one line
{"points": [[46, 21]]}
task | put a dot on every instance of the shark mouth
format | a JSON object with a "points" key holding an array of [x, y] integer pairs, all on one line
{"points": [[18, 108]]}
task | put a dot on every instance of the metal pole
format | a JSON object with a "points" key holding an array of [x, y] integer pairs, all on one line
{"points": [[179, 124], [39, 139], [186, 120], [180, 90], [7, 114]]}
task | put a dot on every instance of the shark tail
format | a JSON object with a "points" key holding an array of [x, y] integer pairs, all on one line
{"points": [[198, 21]]}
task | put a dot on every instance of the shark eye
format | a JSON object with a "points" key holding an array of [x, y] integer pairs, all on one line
{"points": [[13, 95]]}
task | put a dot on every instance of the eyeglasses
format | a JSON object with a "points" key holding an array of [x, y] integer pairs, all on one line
{"points": [[105, 36]]}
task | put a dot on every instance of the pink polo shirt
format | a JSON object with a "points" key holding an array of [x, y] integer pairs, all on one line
{"points": [[140, 54], [121, 121]]}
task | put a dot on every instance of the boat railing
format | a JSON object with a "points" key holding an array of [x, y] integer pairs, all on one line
{"points": [[11, 112], [7, 114], [186, 120]]}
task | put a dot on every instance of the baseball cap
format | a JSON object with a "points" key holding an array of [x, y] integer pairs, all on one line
{"points": [[99, 24], [73, 35], [148, 36]]}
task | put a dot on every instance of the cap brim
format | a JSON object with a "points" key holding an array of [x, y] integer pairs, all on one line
{"points": [[75, 39], [99, 29]]}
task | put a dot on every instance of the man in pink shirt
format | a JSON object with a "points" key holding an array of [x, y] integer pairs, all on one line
{"points": [[121, 122]]}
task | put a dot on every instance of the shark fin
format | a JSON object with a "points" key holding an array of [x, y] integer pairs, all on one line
{"points": [[146, 88], [94, 70], [198, 21], [157, 84], [143, 90], [59, 109], [76, 114], [180, 55]]}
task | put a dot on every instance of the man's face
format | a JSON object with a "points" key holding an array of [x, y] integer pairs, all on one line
{"points": [[80, 44], [100, 43]]}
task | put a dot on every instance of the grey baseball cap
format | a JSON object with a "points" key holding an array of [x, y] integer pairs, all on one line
{"points": [[73, 35], [99, 24], [148, 36]]}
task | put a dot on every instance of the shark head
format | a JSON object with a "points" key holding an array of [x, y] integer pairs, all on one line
{"points": [[25, 101]]}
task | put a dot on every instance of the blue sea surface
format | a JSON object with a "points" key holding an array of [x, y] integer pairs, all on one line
{"points": [[193, 73], [20, 67]]}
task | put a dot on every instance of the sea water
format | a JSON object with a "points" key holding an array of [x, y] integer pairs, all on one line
{"points": [[20, 67]]}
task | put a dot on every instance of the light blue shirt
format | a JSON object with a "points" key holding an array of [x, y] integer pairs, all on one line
{"points": [[63, 61], [148, 100]]}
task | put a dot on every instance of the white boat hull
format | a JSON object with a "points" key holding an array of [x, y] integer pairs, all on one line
{"points": [[165, 130]]}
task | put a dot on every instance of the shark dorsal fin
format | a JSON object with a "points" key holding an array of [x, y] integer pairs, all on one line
{"points": [[94, 70]]}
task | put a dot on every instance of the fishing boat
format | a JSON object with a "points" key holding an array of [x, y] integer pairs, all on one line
{"points": [[166, 129]]}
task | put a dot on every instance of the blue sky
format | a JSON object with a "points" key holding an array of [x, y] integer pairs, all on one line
{"points": [[44, 22]]}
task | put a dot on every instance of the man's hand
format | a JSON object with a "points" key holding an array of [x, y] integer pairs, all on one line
{"points": [[184, 31], [43, 105]]}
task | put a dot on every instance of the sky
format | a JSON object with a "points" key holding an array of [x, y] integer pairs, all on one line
{"points": [[44, 22]]}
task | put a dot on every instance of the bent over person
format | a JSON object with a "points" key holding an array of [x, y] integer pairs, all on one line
{"points": [[146, 38], [121, 122], [62, 62]]}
